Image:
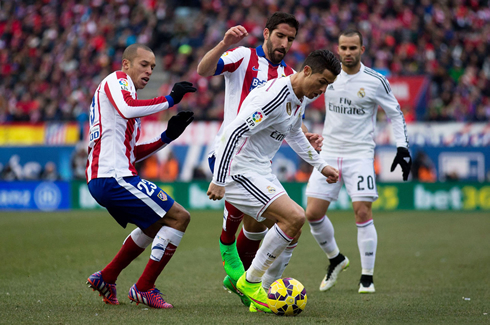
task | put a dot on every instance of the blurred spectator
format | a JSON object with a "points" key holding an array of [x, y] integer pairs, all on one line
{"points": [[198, 174], [169, 169], [13, 170], [32, 171], [50, 172], [150, 168], [304, 171], [79, 161], [423, 168], [54, 53]]}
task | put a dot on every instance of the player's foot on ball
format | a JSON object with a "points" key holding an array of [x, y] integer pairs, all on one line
{"points": [[152, 298], [337, 264], [256, 294], [106, 290], [231, 260], [366, 284], [230, 286]]}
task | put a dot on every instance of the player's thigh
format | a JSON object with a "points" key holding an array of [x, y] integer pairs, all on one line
{"points": [[132, 200], [319, 188], [360, 179], [316, 208], [285, 210], [252, 193], [252, 225]]}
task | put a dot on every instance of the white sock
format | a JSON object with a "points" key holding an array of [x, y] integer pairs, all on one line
{"points": [[139, 238], [322, 230], [257, 236], [277, 268], [367, 240], [164, 236], [273, 245]]}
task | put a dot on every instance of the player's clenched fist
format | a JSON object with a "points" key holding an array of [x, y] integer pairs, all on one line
{"points": [[215, 192], [332, 174], [235, 35]]}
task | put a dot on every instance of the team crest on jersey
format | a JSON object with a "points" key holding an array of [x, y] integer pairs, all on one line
{"points": [[270, 189], [124, 84], [361, 93], [254, 119], [162, 196], [288, 108]]}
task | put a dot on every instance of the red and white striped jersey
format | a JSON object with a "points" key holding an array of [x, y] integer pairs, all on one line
{"points": [[115, 128], [245, 69]]}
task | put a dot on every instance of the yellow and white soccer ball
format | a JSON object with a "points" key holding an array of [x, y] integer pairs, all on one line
{"points": [[287, 297]]}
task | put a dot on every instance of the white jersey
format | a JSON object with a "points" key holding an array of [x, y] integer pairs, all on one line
{"points": [[115, 128], [269, 115], [244, 69], [351, 105]]}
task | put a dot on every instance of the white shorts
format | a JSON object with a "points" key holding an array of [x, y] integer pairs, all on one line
{"points": [[252, 193], [357, 174]]}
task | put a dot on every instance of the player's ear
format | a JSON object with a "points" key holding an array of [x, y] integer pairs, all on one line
{"points": [[125, 64], [266, 33], [307, 70]]}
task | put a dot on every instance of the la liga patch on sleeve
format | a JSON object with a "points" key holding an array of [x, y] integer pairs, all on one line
{"points": [[124, 84], [254, 119]]}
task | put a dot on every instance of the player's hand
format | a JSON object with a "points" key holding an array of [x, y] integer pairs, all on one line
{"points": [[403, 159], [215, 192], [235, 35], [180, 89], [178, 123], [332, 174], [315, 140]]}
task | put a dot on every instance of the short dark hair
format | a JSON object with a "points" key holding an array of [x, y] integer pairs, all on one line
{"points": [[351, 32], [281, 18], [130, 51], [319, 60]]}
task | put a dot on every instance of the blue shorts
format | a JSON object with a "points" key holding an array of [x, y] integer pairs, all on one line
{"points": [[211, 161], [131, 200]]}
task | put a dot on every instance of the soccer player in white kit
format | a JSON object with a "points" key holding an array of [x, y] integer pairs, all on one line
{"points": [[243, 174], [114, 183], [245, 69], [351, 104]]}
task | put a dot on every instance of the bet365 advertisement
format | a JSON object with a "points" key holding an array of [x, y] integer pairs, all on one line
{"points": [[392, 196]]}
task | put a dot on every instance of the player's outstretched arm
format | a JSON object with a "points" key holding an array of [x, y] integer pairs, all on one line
{"points": [[208, 64], [215, 192], [332, 174], [176, 126], [403, 159]]}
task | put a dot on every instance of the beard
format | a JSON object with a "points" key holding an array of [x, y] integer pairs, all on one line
{"points": [[355, 61], [274, 57]]}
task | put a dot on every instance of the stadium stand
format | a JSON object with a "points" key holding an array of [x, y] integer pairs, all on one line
{"points": [[54, 53]]}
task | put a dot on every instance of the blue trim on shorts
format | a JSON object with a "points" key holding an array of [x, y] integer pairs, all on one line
{"points": [[211, 162], [124, 206]]}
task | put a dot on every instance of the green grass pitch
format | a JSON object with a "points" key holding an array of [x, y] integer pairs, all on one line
{"points": [[427, 264]]}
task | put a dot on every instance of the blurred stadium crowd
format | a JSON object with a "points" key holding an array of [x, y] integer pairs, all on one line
{"points": [[53, 53]]}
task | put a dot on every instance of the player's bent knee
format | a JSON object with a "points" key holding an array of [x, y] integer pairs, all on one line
{"points": [[297, 218]]}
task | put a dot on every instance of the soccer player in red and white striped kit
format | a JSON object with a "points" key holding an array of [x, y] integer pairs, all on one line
{"points": [[245, 69], [112, 179]]}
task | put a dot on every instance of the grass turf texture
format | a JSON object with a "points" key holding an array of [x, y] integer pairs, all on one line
{"points": [[426, 263]]}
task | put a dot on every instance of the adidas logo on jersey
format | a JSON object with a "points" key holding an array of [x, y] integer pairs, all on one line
{"points": [[330, 87]]}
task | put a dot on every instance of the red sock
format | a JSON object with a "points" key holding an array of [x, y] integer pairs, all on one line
{"points": [[246, 249], [128, 252], [153, 269], [235, 216]]}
